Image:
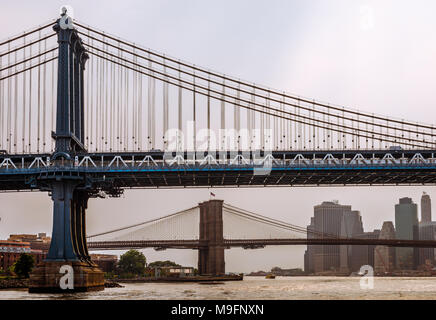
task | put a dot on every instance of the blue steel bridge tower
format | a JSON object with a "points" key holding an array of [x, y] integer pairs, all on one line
{"points": [[69, 191]]}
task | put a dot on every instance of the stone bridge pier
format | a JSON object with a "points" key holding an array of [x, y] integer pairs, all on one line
{"points": [[211, 259]]}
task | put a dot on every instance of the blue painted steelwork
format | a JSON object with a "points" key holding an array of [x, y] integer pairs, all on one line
{"points": [[68, 240]]}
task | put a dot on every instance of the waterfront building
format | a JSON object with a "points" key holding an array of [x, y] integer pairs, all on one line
{"points": [[170, 272], [384, 257], [10, 252], [406, 227], [106, 262], [40, 237], [425, 208]]}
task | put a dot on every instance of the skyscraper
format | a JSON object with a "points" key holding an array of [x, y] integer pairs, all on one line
{"points": [[351, 227], [364, 254], [425, 208], [384, 257], [327, 219], [427, 231], [308, 254], [406, 226]]}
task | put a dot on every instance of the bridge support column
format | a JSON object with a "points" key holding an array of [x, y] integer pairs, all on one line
{"points": [[68, 251], [211, 259], [68, 246]]}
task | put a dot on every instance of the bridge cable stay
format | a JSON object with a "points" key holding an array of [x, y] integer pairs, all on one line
{"points": [[325, 122], [238, 81], [354, 120], [183, 225], [20, 104], [277, 223], [414, 142], [115, 100], [142, 224]]}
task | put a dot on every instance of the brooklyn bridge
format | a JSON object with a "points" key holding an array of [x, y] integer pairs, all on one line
{"points": [[85, 114]]}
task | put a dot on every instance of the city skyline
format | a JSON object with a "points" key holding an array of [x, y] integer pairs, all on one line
{"points": [[232, 256]]}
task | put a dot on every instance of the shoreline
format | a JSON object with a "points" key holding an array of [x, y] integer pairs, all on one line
{"points": [[199, 279], [7, 284]]}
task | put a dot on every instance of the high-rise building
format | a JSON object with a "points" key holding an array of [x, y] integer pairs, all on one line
{"points": [[425, 208], [427, 231], [351, 226], [327, 219], [363, 254], [384, 257], [308, 254], [406, 227]]}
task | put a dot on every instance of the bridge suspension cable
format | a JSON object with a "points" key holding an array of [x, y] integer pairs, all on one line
{"points": [[25, 105], [352, 129], [133, 228], [274, 222], [184, 225], [122, 113], [288, 115]]}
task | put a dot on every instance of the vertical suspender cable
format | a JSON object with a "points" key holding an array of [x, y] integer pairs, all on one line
{"points": [[119, 108], [136, 104], [44, 101], [223, 116], [15, 107], [38, 123], [180, 115], [253, 122], [1, 107], [194, 113], [23, 130], [262, 127], [30, 104], [208, 114], [250, 124], [126, 118], [106, 103], [8, 102], [112, 132], [276, 129], [140, 114], [268, 121], [91, 98], [153, 113], [237, 114], [165, 106], [53, 105], [97, 105], [87, 118]]}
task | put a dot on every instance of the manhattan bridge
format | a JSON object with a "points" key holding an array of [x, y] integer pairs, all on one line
{"points": [[85, 114]]}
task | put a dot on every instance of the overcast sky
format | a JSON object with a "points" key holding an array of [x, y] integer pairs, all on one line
{"points": [[376, 56]]}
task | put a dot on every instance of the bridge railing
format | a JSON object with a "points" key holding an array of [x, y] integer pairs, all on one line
{"points": [[140, 161]]}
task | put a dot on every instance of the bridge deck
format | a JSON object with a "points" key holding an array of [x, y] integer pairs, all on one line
{"points": [[250, 243], [157, 169]]}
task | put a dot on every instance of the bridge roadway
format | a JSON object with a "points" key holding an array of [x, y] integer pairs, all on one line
{"points": [[116, 171], [248, 243]]}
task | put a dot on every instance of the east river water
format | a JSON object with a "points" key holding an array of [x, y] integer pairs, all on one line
{"points": [[258, 288]]}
